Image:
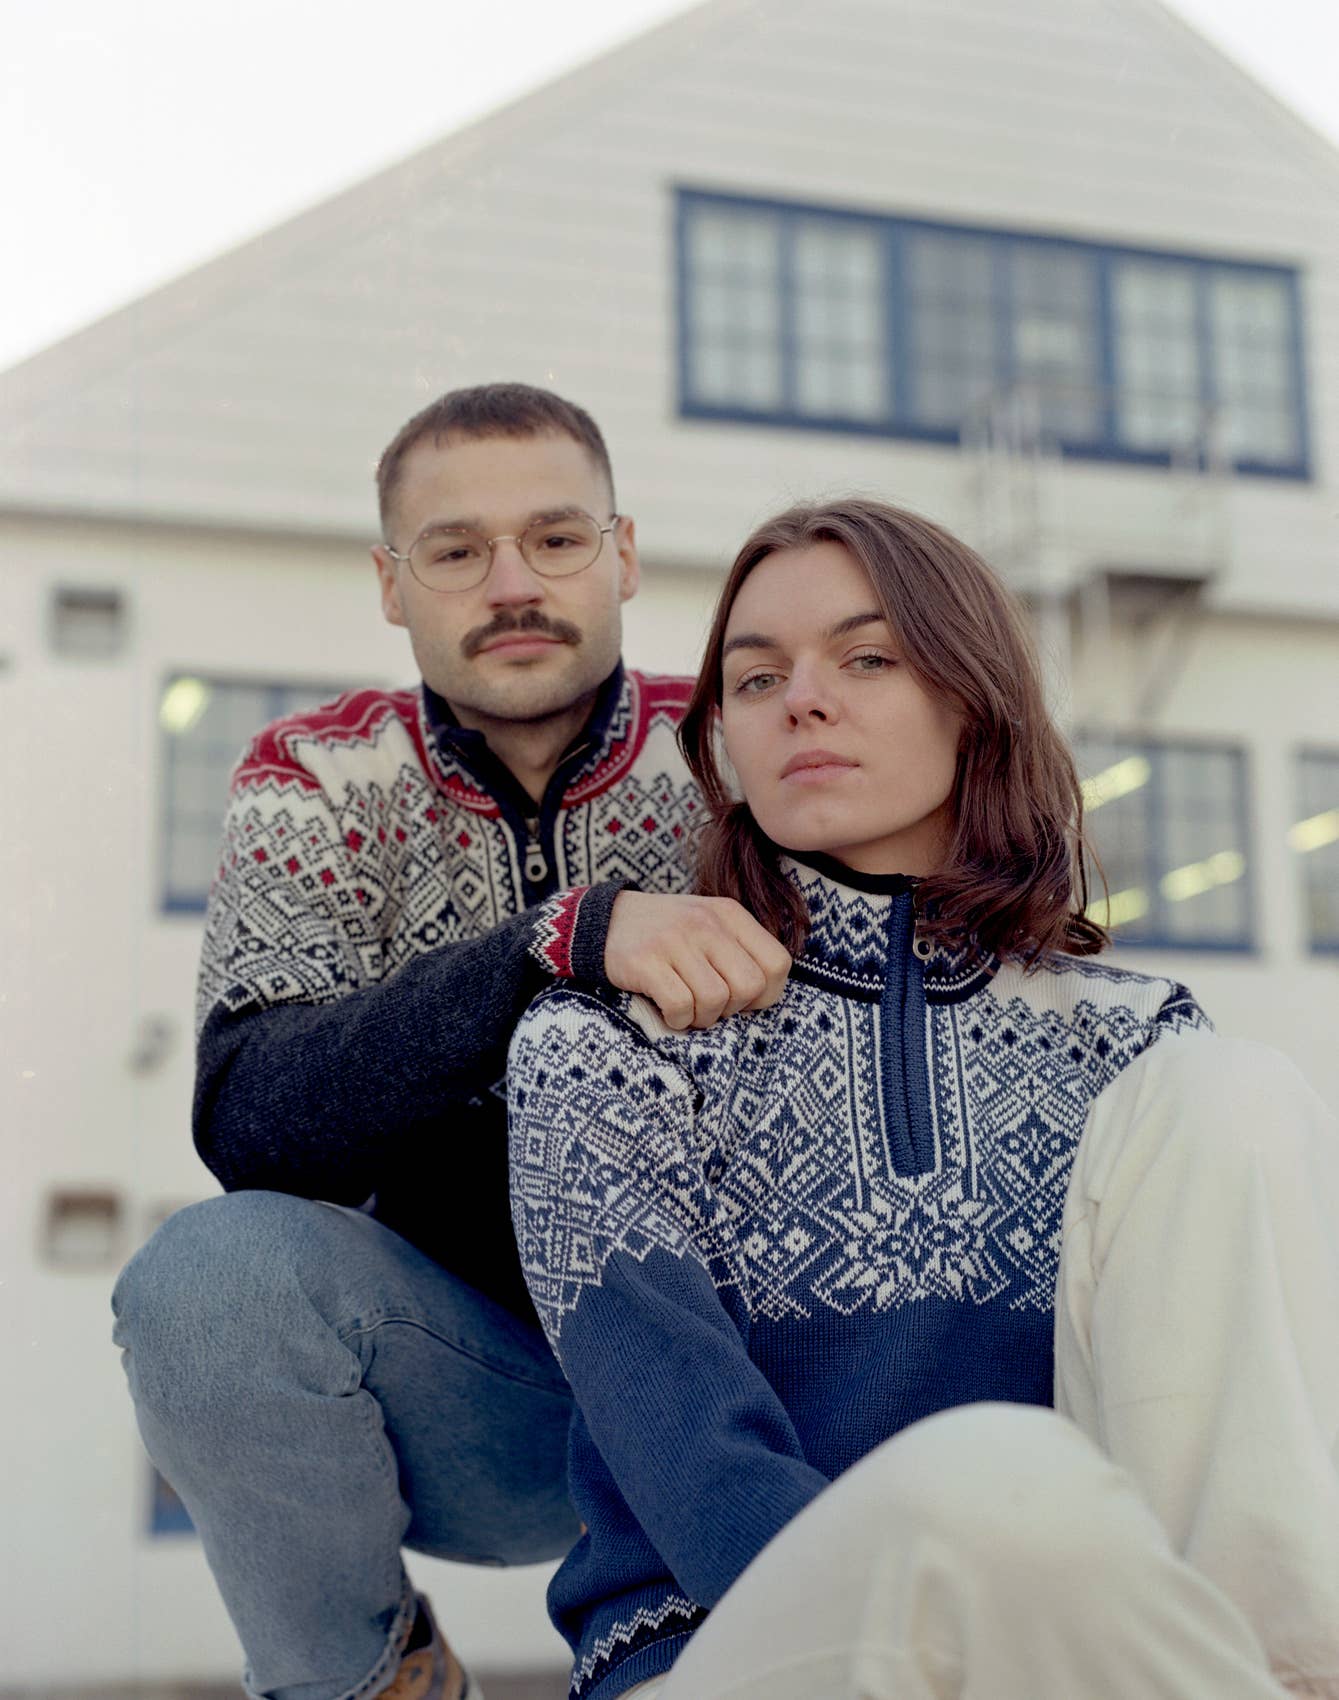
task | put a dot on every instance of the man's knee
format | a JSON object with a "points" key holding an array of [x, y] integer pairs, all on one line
{"points": [[205, 1290], [202, 1254]]}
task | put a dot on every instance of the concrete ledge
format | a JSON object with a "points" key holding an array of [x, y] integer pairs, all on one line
{"points": [[532, 1685]]}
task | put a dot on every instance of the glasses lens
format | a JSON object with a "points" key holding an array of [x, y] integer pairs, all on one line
{"points": [[555, 547], [449, 560]]}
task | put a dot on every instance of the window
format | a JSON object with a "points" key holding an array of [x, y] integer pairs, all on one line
{"points": [[88, 622], [206, 724], [1158, 377], [950, 305], [1168, 822], [841, 353], [1056, 336], [1252, 327], [1314, 839], [735, 267], [804, 316], [83, 1229], [167, 1514]]}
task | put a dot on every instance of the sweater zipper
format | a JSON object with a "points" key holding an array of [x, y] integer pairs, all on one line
{"points": [[536, 864], [905, 1086], [540, 829]]}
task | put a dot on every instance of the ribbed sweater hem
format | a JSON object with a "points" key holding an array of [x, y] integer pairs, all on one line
{"points": [[641, 1666]]}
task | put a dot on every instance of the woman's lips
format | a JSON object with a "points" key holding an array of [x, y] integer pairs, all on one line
{"points": [[816, 773], [816, 767]]}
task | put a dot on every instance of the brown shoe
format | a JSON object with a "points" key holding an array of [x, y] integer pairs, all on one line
{"points": [[432, 1672]]}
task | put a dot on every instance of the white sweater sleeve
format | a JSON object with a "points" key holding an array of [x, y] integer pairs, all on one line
{"points": [[1197, 1323]]}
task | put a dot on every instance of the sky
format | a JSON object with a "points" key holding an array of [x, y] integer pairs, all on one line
{"points": [[141, 139]]}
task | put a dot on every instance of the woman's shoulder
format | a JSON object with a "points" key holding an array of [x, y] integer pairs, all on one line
{"points": [[1073, 985]]}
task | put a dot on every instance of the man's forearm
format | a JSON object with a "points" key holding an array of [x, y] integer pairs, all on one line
{"points": [[312, 1098]]}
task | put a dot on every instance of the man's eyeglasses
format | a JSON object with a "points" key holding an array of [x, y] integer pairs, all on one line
{"points": [[445, 559]]}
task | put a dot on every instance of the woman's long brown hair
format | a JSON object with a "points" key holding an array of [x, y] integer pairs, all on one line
{"points": [[1013, 881]]}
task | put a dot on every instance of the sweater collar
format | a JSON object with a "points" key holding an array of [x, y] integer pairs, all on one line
{"points": [[857, 920], [463, 756]]}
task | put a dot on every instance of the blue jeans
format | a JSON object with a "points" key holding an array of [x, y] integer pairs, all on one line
{"points": [[321, 1394]]}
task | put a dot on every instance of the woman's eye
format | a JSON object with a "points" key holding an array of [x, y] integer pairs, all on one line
{"points": [[745, 686], [879, 661]]}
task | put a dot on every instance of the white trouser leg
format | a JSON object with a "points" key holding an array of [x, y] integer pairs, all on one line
{"points": [[1197, 1328], [988, 1553]]}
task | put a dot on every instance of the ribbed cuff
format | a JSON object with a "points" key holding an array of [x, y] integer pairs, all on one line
{"points": [[571, 930]]}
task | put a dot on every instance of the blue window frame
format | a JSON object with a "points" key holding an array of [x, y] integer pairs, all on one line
{"points": [[1168, 821], [836, 319], [1314, 840], [205, 724]]}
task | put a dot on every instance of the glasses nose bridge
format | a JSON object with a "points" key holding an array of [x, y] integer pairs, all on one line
{"points": [[515, 539]]}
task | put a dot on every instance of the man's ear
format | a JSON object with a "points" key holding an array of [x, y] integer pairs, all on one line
{"points": [[388, 576], [629, 564]]}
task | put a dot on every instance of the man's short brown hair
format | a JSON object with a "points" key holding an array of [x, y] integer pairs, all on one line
{"points": [[490, 410]]}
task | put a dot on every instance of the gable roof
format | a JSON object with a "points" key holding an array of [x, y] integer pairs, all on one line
{"points": [[256, 390]]}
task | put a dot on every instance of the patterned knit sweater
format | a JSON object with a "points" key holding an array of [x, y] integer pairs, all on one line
{"points": [[389, 901], [761, 1249]]}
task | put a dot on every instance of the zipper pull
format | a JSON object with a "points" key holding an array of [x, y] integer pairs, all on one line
{"points": [[536, 866]]}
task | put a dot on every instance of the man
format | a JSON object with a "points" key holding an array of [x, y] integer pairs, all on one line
{"points": [[325, 1383]]}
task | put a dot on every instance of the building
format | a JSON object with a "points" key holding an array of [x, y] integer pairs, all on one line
{"points": [[1059, 275]]}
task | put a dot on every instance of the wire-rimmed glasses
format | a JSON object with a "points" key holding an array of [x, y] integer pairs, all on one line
{"points": [[554, 546]]}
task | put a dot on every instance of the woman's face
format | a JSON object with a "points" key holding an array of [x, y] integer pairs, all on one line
{"points": [[837, 744]]}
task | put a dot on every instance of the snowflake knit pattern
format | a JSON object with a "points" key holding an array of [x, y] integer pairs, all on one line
{"points": [[356, 841], [760, 1250]]}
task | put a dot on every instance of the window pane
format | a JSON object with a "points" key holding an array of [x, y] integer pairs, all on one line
{"points": [[88, 621], [841, 350], [951, 315], [1202, 878], [1314, 840], [1056, 338], [1116, 795], [733, 308], [1167, 823], [1157, 355], [1250, 319], [739, 374], [206, 724]]}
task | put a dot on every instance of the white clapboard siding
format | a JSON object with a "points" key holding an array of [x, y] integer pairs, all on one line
{"points": [[537, 244]]}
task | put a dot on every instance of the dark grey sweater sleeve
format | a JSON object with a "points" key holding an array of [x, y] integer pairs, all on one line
{"points": [[313, 1095]]}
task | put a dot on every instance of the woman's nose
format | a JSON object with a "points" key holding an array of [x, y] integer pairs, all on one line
{"points": [[806, 699]]}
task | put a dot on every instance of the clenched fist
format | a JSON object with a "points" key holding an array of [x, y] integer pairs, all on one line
{"points": [[695, 958]]}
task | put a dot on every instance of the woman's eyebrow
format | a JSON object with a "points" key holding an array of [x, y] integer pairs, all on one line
{"points": [[759, 640]]}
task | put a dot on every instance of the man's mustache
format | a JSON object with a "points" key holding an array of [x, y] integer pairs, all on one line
{"points": [[562, 631]]}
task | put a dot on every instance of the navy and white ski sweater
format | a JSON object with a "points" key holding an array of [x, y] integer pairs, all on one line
{"points": [[389, 901], [760, 1250]]}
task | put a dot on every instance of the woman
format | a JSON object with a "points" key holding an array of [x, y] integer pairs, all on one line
{"points": [[959, 1172]]}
